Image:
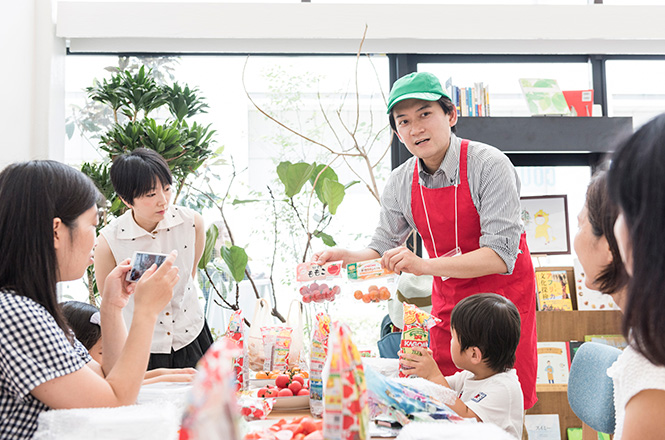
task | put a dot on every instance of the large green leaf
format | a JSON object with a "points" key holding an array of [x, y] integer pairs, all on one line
{"points": [[327, 239], [294, 176], [333, 194], [328, 173], [211, 238], [236, 259]]}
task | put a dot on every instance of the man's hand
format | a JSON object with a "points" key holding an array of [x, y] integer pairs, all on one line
{"points": [[400, 259]]}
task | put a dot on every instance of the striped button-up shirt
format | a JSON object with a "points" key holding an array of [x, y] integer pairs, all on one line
{"points": [[495, 191]]}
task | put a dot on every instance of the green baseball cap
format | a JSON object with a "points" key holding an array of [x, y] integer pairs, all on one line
{"points": [[417, 85]]}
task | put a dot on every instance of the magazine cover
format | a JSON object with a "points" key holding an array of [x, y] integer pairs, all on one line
{"points": [[553, 366], [589, 299]]}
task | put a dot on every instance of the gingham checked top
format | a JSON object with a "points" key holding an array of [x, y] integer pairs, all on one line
{"points": [[33, 350]]}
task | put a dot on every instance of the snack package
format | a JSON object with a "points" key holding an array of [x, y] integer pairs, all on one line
{"points": [[255, 408], [369, 282], [318, 353], [416, 331], [254, 338], [277, 342], [212, 412], [319, 283], [345, 413], [236, 334]]}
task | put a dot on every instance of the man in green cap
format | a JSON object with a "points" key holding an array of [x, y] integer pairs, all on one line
{"points": [[463, 199]]}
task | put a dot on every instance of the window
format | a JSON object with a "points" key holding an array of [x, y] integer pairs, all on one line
{"points": [[635, 88]]}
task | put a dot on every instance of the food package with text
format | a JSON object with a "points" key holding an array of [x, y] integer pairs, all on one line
{"points": [[236, 334], [318, 353], [369, 282], [416, 332], [319, 283]]}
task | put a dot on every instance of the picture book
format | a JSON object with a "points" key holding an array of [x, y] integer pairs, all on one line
{"points": [[553, 290], [542, 426], [553, 366], [589, 299], [544, 97], [573, 346], [617, 341], [580, 102]]}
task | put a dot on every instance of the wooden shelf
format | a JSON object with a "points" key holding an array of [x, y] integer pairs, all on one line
{"points": [[569, 326]]}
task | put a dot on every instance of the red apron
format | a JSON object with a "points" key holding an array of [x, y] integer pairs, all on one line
{"points": [[519, 287]]}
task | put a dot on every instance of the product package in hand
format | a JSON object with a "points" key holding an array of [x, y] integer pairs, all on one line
{"points": [[212, 411], [236, 334], [345, 413], [318, 353], [317, 283], [369, 282], [416, 332]]}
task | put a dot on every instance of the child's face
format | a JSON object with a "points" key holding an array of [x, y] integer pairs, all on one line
{"points": [[96, 351]]}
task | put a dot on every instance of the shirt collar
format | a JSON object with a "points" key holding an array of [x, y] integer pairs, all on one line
{"points": [[128, 228], [450, 165]]}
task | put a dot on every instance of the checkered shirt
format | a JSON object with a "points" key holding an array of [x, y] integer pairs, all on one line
{"points": [[33, 350]]}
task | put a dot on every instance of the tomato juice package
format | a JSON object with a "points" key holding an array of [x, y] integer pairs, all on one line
{"points": [[318, 353], [416, 332], [278, 341], [369, 282], [319, 283], [345, 413], [236, 334]]}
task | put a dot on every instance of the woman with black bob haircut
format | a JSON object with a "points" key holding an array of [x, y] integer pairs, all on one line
{"points": [[48, 216], [637, 185], [143, 181]]}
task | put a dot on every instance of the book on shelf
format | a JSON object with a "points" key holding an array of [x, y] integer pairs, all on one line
{"points": [[553, 366], [542, 426], [589, 299], [544, 97], [470, 101], [580, 102], [573, 346], [576, 434], [553, 290], [617, 341]]}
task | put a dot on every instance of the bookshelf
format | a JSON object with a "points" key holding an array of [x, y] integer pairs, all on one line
{"points": [[568, 326]]}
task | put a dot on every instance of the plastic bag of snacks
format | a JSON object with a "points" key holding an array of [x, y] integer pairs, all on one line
{"points": [[212, 412], [318, 352], [276, 343], [369, 282], [255, 408], [236, 334], [345, 413], [319, 283], [416, 331], [255, 346]]}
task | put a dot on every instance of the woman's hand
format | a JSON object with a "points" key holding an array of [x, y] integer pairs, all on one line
{"points": [[400, 259], [155, 288], [116, 288], [169, 375], [422, 364]]}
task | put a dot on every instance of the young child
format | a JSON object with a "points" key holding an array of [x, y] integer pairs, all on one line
{"points": [[84, 320], [485, 332]]}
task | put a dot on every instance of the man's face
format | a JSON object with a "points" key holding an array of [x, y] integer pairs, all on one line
{"points": [[424, 128]]}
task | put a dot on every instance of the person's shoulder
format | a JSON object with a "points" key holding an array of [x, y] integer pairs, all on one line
{"points": [[402, 172], [184, 212], [485, 153], [21, 310], [507, 379], [117, 223]]}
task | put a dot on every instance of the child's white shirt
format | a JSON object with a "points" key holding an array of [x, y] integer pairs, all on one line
{"points": [[497, 399]]}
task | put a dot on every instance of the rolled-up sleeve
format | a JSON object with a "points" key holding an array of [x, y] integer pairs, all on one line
{"points": [[499, 207]]}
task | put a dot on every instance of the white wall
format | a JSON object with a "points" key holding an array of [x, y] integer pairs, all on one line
{"points": [[31, 82]]}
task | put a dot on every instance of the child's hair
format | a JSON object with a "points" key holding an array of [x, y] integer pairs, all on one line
{"points": [[78, 315], [136, 173], [491, 323], [32, 195]]}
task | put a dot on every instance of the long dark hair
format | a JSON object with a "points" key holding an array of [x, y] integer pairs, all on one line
{"points": [[32, 194], [602, 213], [637, 185]]}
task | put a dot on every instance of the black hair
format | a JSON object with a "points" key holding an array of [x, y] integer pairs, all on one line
{"points": [[445, 103], [32, 194], [636, 182], [78, 315], [136, 173], [490, 322], [602, 214]]}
